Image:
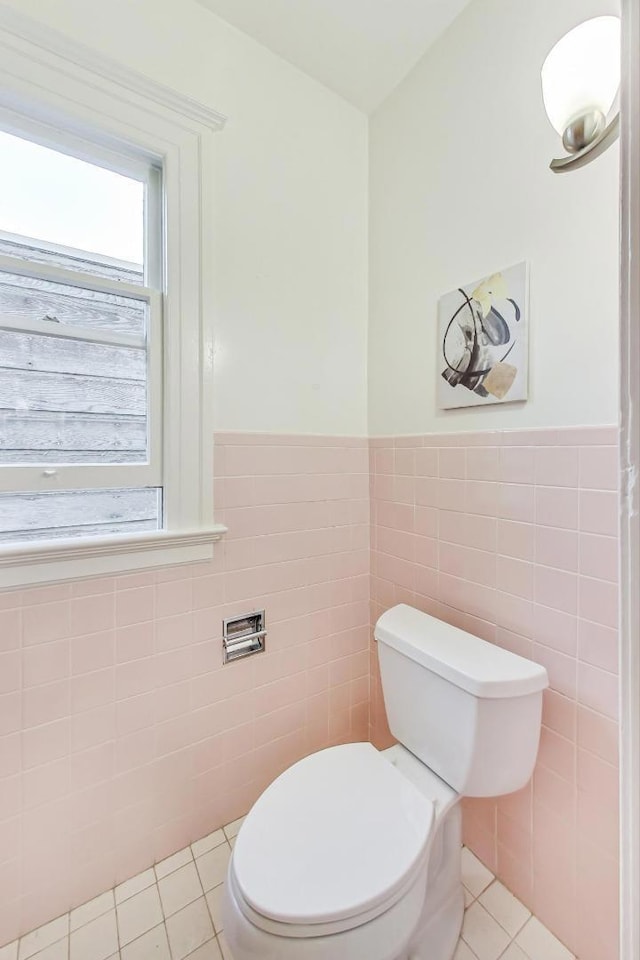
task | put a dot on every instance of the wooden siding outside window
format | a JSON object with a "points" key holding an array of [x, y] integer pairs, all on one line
{"points": [[73, 390]]}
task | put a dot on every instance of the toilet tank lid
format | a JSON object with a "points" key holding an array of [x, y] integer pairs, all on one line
{"points": [[482, 669]]}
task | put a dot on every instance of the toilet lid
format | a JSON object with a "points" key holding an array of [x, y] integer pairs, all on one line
{"points": [[334, 836]]}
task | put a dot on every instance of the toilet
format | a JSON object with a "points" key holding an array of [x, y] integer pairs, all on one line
{"points": [[355, 854]]}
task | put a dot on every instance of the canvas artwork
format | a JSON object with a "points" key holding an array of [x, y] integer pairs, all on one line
{"points": [[483, 352]]}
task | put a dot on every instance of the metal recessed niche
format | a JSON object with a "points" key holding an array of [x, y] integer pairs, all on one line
{"points": [[244, 635]]}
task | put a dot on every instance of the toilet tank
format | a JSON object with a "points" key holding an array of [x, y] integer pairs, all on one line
{"points": [[466, 708]]}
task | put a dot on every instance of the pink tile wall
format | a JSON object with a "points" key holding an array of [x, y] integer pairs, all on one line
{"points": [[513, 536], [122, 737]]}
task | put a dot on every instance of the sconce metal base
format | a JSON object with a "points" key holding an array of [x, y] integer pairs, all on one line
{"points": [[594, 149]]}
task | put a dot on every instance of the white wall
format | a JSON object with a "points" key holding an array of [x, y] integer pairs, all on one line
{"points": [[460, 188], [291, 196]]}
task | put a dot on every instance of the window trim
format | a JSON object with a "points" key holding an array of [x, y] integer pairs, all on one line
{"points": [[31, 564], [58, 84]]}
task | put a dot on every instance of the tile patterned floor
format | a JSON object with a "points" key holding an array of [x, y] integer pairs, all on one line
{"points": [[172, 912], [496, 925]]}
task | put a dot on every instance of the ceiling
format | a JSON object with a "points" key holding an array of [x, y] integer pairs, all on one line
{"points": [[361, 49]]}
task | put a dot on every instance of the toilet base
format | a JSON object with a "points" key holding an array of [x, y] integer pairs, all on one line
{"points": [[438, 930], [438, 939]]}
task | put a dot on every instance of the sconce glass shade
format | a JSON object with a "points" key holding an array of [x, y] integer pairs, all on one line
{"points": [[581, 75]]}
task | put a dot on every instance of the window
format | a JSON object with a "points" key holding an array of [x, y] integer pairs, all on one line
{"points": [[106, 344], [80, 346]]}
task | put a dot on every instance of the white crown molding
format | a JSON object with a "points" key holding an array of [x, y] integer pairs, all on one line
{"points": [[79, 56]]}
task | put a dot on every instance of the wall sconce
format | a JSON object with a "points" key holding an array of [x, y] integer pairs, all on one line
{"points": [[580, 83]]}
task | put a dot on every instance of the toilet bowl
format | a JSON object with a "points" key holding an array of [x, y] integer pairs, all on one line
{"points": [[354, 854]]}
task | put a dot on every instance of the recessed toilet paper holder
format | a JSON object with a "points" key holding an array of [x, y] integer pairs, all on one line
{"points": [[243, 636]]}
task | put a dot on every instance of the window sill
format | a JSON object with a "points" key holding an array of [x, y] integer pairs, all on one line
{"points": [[28, 564]]}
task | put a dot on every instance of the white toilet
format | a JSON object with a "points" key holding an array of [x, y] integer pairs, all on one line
{"points": [[354, 854]]}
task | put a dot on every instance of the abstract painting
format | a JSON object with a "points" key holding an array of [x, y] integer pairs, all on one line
{"points": [[483, 354]]}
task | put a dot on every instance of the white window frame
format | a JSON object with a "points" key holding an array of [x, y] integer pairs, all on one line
{"points": [[49, 84]]}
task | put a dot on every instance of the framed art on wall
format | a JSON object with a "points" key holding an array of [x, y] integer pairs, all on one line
{"points": [[483, 354]]}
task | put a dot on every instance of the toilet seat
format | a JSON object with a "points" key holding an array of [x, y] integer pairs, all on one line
{"points": [[334, 842]]}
